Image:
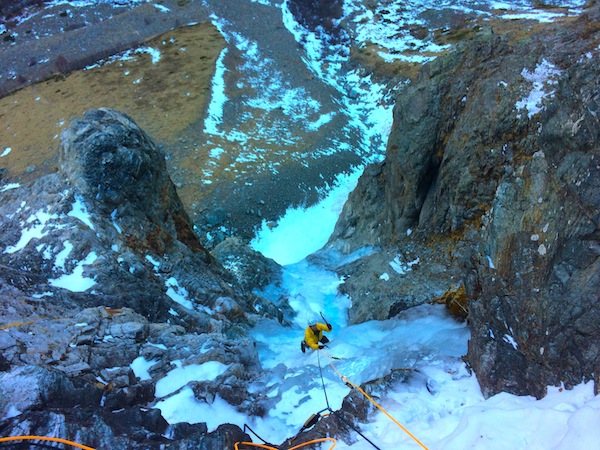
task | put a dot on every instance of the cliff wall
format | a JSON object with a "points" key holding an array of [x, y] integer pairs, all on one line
{"points": [[488, 199]]}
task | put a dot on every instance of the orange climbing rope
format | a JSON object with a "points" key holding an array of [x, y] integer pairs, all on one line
{"points": [[353, 385], [268, 447], [45, 438]]}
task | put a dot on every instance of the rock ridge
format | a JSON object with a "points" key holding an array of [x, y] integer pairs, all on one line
{"points": [[104, 285]]}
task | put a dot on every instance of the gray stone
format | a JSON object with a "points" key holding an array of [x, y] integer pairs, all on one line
{"points": [[130, 330], [250, 268], [75, 369]]}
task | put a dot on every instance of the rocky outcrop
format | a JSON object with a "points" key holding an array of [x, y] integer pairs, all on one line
{"points": [[250, 268], [80, 369], [119, 171], [114, 232], [102, 270], [322, 16], [490, 184]]}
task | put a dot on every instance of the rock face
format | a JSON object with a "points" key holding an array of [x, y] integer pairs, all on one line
{"points": [[250, 268], [491, 184], [101, 268], [112, 163]]}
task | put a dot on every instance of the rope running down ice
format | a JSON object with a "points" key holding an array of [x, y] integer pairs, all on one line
{"points": [[353, 385]]}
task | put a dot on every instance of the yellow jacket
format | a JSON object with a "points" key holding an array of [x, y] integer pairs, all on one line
{"points": [[314, 333]]}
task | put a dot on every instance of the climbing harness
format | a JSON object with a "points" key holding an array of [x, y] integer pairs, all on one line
{"points": [[357, 387], [45, 438]]}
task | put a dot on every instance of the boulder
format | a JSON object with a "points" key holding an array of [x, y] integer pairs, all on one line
{"points": [[117, 168], [250, 268]]}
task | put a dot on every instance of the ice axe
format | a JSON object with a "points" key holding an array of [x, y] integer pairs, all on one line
{"points": [[326, 322]]}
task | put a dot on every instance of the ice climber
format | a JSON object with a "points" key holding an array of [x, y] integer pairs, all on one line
{"points": [[313, 336]]}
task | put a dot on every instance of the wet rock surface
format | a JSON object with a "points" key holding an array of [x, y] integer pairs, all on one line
{"points": [[490, 185]]}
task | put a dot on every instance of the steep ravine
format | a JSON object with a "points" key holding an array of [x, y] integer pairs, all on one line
{"points": [[487, 201]]}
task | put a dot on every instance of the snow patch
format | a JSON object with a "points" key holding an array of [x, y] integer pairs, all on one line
{"points": [[218, 97], [12, 412], [79, 211], [113, 216], [402, 267], [543, 75], [140, 367], [182, 375], [178, 293], [75, 281], [510, 340], [153, 261], [61, 257], [10, 186], [185, 407], [40, 227]]}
